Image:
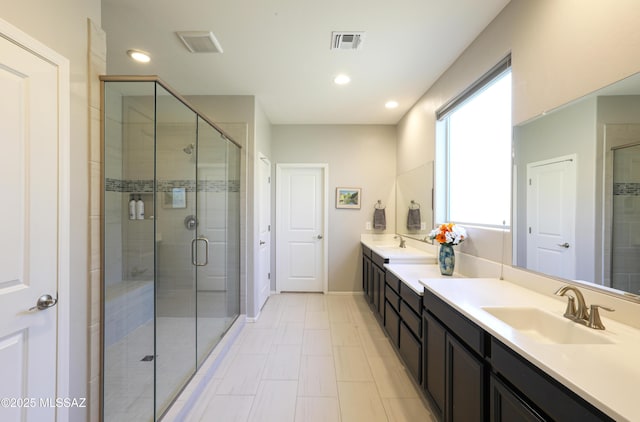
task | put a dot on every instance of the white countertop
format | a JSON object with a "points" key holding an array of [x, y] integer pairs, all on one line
{"points": [[605, 375], [410, 274], [389, 248]]}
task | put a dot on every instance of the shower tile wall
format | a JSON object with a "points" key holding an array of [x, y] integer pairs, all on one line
{"points": [[129, 258], [626, 217], [113, 199]]}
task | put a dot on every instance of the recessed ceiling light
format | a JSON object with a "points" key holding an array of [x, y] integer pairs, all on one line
{"points": [[342, 79], [139, 56], [391, 104]]}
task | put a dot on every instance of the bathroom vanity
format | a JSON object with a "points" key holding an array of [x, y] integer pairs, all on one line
{"points": [[488, 349]]}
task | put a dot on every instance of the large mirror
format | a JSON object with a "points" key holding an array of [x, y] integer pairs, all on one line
{"points": [[576, 197], [414, 199]]}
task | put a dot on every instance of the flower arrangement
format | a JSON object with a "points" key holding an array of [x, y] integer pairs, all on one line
{"points": [[448, 234]]}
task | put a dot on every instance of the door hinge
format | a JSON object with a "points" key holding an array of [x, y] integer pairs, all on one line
{"points": [[269, 179], [269, 276], [269, 228], [529, 230], [529, 182]]}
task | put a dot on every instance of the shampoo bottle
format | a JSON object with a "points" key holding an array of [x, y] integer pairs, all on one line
{"points": [[132, 208], [139, 208]]}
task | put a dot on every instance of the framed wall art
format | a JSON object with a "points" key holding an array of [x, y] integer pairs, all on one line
{"points": [[348, 198]]}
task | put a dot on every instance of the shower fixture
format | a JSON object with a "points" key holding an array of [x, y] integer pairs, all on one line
{"points": [[188, 149]]}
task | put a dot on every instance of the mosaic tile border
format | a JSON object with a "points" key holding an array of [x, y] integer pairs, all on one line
{"points": [[147, 186], [626, 189]]}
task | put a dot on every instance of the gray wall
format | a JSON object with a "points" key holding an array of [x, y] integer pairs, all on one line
{"points": [[358, 156], [561, 50], [570, 130]]}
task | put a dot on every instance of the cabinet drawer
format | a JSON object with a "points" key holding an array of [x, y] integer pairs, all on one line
{"points": [[392, 323], [545, 393], [458, 324], [393, 282], [411, 352], [413, 321], [413, 299], [392, 297], [378, 260]]}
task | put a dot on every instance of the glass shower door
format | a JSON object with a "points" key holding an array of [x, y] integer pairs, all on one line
{"points": [[213, 233], [175, 228]]}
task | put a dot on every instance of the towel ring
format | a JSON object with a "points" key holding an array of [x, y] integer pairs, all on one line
{"points": [[379, 205], [414, 205]]}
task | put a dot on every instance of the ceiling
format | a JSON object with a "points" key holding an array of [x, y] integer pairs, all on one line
{"points": [[279, 51]]}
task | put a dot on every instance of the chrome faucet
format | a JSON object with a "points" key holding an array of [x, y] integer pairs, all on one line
{"points": [[580, 314], [403, 243]]}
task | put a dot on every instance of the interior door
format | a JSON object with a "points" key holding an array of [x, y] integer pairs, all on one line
{"points": [[32, 250], [264, 228], [301, 221], [551, 199]]}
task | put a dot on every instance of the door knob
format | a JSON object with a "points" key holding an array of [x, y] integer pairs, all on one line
{"points": [[44, 302], [319, 236], [564, 245], [262, 242]]}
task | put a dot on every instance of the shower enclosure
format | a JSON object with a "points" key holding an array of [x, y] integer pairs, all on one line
{"points": [[171, 230]]}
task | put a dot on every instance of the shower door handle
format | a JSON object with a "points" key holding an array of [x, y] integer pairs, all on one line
{"points": [[194, 252]]}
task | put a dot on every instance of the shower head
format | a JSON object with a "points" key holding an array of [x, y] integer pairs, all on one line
{"points": [[188, 149]]}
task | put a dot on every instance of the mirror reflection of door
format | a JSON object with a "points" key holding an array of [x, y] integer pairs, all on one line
{"points": [[625, 238], [551, 204]]}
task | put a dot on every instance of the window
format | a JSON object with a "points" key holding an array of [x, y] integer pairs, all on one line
{"points": [[475, 152]]}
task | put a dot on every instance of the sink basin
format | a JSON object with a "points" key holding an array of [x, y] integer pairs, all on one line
{"points": [[544, 327], [408, 254]]}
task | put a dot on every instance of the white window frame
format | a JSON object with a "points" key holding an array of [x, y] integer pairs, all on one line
{"points": [[442, 158]]}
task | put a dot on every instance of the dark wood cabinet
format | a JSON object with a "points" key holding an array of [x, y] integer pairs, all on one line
{"points": [[506, 406], [377, 302], [434, 351], [464, 379], [454, 351], [552, 400], [392, 323], [411, 351], [373, 280], [467, 374]]}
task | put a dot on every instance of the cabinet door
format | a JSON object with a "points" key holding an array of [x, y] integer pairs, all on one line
{"points": [[392, 323], [465, 384], [381, 283], [377, 296], [366, 267], [375, 287], [506, 406], [411, 352], [433, 361], [370, 281]]}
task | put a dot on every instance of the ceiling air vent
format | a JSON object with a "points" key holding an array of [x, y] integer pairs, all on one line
{"points": [[200, 41], [346, 40]]}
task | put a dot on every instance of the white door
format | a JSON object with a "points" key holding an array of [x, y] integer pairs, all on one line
{"points": [[301, 210], [33, 249], [551, 199], [264, 229]]}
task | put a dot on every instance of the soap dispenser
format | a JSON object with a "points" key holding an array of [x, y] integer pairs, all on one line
{"points": [[132, 208], [140, 208]]}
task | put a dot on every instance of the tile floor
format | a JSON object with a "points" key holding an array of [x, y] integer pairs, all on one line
{"points": [[311, 357]]}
